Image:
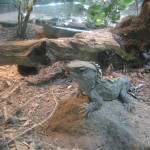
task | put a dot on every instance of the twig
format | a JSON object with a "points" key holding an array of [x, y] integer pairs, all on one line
{"points": [[56, 104], [5, 113], [32, 146], [36, 125], [138, 86], [13, 90], [17, 145], [147, 108], [33, 98], [7, 90], [26, 144]]}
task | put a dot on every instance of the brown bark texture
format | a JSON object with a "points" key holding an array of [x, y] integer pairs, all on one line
{"points": [[98, 46], [28, 53], [135, 30]]}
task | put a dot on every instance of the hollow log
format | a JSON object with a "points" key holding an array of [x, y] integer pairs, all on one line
{"points": [[28, 53], [98, 45]]}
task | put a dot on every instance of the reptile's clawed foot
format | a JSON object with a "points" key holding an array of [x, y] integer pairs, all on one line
{"points": [[129, 107], [84, 110]]}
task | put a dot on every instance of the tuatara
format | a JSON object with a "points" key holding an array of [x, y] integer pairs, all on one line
{"points": [[89, 77]]}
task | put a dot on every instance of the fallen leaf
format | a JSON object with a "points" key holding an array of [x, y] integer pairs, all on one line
{"points": [[26, 123]]}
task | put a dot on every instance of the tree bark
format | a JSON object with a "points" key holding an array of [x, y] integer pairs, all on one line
{"points": [[135, 30], [99, 46], [28, 53]]}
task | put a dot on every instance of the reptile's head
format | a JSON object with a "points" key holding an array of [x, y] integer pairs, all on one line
{"points": [[83, 72]]}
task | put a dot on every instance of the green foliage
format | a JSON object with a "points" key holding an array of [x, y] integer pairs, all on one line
{"points": [[101, 13]]}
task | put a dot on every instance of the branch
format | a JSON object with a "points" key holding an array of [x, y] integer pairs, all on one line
{"points": [[21, 107], [36, 125]]}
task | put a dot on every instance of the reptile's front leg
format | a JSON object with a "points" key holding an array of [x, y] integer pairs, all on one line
{"points": [[124, 97], [95, 104]]}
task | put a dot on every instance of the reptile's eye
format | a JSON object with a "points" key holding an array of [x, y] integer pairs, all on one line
{"points": [[82, 70]]}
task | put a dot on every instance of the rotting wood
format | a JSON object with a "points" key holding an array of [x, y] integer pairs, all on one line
{"points": [[99, 46], [28, 53], [135, 30]]}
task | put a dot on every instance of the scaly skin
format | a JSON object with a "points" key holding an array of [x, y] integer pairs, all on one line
{"points": [[96, 87]]}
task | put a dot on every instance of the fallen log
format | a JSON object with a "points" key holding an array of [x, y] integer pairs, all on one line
{"points": [[99, 46], [28, 53]]}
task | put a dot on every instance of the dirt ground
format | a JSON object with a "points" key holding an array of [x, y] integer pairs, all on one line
{"points": [[26, 109]]}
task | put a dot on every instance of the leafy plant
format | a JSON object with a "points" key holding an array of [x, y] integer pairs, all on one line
{"points": [[101, 13]]}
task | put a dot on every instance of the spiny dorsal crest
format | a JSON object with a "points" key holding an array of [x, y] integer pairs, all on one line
{"points": [[98, 68]]}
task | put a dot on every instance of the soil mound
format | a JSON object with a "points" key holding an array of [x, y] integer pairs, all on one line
{"points": [[67, 118]]}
